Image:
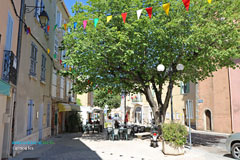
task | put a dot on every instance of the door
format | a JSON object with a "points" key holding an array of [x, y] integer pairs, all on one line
{"points": [[40, 122], [30, 117], [208, 120]]}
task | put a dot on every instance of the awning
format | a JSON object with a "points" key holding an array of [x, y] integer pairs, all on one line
{"points": [[4, 88], [75, 107], [64, 107]]}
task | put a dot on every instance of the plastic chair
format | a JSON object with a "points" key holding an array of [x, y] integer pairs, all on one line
{"points": [[128, 134], [109, 132], [115, 134]]}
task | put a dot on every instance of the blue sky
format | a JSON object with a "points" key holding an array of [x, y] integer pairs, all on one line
{"points": [[70, 3]]}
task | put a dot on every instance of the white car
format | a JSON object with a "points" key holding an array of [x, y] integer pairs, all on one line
{"points": [[233, 145]]}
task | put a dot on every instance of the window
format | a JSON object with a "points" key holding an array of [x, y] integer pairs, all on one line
{"points": [[54, 83], [58, 18], [61, 87], [63, 56], [189, 113], [67, 87], [38, 10], [33, 60], [56, 45], [167, 115], [43, 68], [185, 87]]}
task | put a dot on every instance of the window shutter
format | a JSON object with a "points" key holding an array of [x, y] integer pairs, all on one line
{"points": [[181, 88], [188, 87], [8, 44], [36, 9]]}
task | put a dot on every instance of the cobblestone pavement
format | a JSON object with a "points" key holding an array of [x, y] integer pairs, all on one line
{"points": [[95, 146]]}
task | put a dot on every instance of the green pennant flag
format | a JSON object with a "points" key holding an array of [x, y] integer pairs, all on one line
{"points": [[55, 27], [55, 56], [95, 22]]}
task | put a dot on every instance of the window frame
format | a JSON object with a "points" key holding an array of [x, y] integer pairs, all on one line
{"points": [[43, 68], [33, 60]]}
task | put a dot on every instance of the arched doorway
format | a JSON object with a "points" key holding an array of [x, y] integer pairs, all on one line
{"points": [[138, 115], [208, 120]]}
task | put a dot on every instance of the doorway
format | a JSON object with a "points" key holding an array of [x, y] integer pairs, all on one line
{"points": [[208, 120]]}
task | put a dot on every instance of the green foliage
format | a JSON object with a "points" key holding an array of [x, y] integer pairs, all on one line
{"points": [[74, 122], [102, 98], [175, 133], [79, 102], [117, 56]]}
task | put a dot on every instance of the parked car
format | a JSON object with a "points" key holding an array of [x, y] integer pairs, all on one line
{"points": [[233, 145]]}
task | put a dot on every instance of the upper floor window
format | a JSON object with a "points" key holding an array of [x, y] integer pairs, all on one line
{"points": [[56, 45], [33, 59], [54, 83], [38, 10], [58, 18], [8, 43], [185, 87], [43, 68]]}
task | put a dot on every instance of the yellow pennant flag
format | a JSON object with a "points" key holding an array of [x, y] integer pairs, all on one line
{"points": [[166, 8], [48, 50], [109, 18], [209, 1], [65, 27]]}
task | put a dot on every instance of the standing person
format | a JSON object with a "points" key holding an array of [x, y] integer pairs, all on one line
{"points": [[116, 124]]}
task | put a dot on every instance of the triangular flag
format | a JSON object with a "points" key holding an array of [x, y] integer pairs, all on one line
{"points": [[84, 24], [166, 8], [65, 65], [74, 25], [124, 15], [65, 27], [186, 4], [48, 27], [95, 22], [55, 27], [70, 68], [139, 12], [28, 30], [109, 18], [60, 61], [55, 56], [209, 1], [149, 11], [48, 50]]}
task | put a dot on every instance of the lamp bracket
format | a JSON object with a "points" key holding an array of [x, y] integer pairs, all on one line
{"points": [[29, 9]]}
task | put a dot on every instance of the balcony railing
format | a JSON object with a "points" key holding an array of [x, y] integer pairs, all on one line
{"points": [[9, 72]]}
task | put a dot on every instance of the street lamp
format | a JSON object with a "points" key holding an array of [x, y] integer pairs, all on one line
{"points": [[43, 17], [161, 68]]}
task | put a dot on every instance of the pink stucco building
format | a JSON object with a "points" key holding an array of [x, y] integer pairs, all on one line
{"points": [[218, 107]]}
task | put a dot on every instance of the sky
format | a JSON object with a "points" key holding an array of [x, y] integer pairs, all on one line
{"points": [[70, 3]]}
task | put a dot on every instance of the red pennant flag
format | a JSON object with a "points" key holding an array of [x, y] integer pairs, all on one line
{"points": [[60, 61], [186, 4], [149, 11], [88, 81], [124, 15], [48, 28], [28, 30]]}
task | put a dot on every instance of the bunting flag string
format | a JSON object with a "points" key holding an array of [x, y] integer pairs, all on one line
{"points": [[209, 1], [139, 12], [109, 18], [186, 4], [55, 27], [74, 25], [48, 28], [166, 8], [149, 11], [84, 24], [65, 27], [124, 15], [95, 22]]}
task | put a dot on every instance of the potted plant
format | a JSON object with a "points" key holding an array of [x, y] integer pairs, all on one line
{"points": [[174, 138]]}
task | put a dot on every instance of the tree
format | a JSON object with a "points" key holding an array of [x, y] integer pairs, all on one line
{"points": [[102, 98], [120, 56]]}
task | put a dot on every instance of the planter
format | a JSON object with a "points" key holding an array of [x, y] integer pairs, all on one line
{"points": [[170, 149]]}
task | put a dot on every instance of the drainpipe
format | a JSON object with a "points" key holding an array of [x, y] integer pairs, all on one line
{"points": [[230, 96]]}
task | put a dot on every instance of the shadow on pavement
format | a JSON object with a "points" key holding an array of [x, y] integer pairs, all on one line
{"points": [[65, 148], [228, 156], [206, 140]]}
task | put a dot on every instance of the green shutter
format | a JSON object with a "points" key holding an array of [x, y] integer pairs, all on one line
{"points": [[4, 88], [188, 87]]}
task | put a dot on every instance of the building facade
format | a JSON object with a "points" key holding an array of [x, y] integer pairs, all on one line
{"points": [[9, 53], [33, 99], [218, 102]]}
